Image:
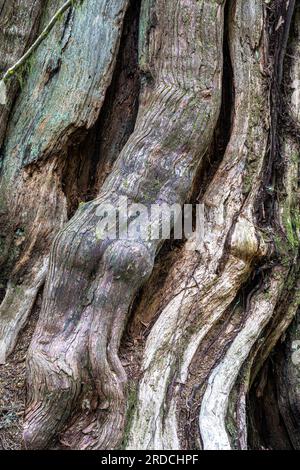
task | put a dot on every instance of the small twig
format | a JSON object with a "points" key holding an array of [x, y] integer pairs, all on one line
{"points": [[12, 70]]}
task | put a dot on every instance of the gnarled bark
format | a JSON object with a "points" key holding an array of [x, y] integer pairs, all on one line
{"points": [[61, 98], [124, 353]]}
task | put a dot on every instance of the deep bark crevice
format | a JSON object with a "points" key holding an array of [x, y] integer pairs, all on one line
{"points": [[167, 142], [36, 170], [191, 392], [224, 126], [267, 426], [214, 351], [143, 314]]}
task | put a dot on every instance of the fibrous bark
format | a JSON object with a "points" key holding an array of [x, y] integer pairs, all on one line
{"points": [[18, 27]]}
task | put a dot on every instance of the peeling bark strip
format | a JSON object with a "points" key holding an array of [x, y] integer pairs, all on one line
{"points": [[179, 107], [63, 95]]}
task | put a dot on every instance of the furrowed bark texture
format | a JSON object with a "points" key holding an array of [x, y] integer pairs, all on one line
{"points": [[140, 345], [212, 329], [282, 368]]}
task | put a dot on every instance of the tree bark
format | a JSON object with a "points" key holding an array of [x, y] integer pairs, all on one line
{"points": [[151, 344]]}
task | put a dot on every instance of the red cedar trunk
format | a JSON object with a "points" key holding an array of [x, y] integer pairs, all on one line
{"points": [[152, 345]]}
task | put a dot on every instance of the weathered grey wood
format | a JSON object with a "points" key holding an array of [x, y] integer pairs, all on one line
{"points": [[71, 71], [204, 334], [12, 70], [229, 235]]}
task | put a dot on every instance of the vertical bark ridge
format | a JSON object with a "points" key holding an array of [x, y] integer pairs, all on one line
{"points": [[287, 246], [205, 371], [252, 329], [281, 305], [89, 163]]}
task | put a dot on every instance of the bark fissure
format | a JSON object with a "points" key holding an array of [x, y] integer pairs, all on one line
{"points": [[40, 132], [287, 252]]}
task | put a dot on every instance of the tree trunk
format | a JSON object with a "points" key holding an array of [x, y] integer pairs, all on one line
{"points": [[146, 343]]}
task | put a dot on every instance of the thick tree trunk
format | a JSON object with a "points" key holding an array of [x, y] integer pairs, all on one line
{"points": [[142, 344]]}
